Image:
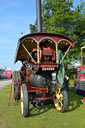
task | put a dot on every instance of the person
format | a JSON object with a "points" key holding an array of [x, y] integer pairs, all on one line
{"points": [[66, 81], [83, 101]]}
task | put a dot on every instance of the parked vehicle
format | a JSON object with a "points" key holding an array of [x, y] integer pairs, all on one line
{"points": [[79, 78], [1, 73], [41, 78], [8, 73]]}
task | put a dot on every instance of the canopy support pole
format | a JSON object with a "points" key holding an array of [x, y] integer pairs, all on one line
{"points": [[65, 54], [57, 53], [38, 61], [29, 54]]}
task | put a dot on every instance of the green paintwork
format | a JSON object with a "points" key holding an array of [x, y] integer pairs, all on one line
{"points": [[8, 72], [61, 71]]}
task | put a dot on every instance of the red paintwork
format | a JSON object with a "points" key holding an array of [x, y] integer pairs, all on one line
{"points": [[48, 66], [41, 35], [47, 52], [34, 89], [38, 37], [81, 58]]}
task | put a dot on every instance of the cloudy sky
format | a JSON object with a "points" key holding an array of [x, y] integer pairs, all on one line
{"points": [[15, 17]]}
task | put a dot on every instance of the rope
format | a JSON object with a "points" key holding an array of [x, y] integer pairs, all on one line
{"points": [[10, 92]]}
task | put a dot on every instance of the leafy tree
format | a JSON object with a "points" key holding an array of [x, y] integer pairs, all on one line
{"points": [[57, 16], [33, 28], [78, 34]]}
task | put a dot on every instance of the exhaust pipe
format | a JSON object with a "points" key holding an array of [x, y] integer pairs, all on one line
{"points": [[39, 17]]}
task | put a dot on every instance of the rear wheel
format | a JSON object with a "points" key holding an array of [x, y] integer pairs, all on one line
{"points": [[16, 91], [24, 101], [60, 98]]}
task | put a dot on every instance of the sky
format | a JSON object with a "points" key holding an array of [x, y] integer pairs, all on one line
{"points": [[15, 17]]}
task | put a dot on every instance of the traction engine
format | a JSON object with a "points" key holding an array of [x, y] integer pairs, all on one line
{"points": [[40, 80]]}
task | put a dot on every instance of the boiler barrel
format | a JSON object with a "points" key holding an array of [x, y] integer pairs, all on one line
{"points": [[40, 81]]}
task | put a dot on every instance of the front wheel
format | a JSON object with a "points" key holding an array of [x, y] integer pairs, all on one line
{"points": [[24, 101], [60, 99]]}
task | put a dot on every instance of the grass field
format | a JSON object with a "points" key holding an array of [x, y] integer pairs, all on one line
{"points": [[41, 117], [5, 79]]}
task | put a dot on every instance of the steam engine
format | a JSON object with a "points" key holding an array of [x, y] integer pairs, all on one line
{"points": [[39, 75]]}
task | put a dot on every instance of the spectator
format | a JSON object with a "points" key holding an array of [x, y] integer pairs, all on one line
{"points": [[83, 101]]}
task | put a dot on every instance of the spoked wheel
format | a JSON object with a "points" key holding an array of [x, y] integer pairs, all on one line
{"points": [[60, 99], [16, 91], [24, 101]]}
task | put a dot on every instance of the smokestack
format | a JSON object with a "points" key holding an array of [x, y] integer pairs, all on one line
{"points": [[39, 17]]}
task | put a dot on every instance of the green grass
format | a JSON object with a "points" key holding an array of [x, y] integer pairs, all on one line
{"points": [[42, 117], [71, 83], [5, 79]]}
